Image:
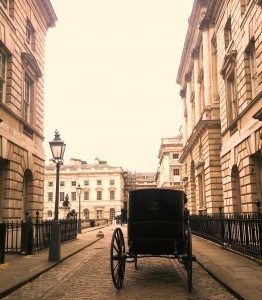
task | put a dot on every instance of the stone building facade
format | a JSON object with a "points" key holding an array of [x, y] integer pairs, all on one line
{"points": [[220, 75], [102, 185], [169, 170], [23, 28]]}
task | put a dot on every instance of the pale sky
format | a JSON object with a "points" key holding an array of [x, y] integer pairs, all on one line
{"points": [[110, 79]]}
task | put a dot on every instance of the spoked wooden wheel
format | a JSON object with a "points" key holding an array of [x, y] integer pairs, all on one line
{"points": [[189, 259], [118, 258]]}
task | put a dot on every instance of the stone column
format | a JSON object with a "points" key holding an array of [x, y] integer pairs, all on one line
{"points": [[195, 57], [183, 97], [204, 27], [189, 103]]}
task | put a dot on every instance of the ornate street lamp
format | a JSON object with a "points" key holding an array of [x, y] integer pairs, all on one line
{"points": [[79, 192], [58, 149]]}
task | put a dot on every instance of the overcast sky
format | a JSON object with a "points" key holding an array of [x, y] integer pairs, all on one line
{"points": [[110, 79]]}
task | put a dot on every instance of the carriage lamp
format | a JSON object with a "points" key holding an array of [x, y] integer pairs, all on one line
{"points": [[58, 149], [79, 192]]}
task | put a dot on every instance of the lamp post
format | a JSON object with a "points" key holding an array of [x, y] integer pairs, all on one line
{"points": [[58, 148], [79, 192]]}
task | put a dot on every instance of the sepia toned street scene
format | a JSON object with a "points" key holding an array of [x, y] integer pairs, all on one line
{"points": [[131, 149]]}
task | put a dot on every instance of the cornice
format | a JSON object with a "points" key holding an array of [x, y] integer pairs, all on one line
{"points": [[48, 12], [229, 59], [201, 126]]}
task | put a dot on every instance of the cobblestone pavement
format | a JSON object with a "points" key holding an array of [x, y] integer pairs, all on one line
{"points": [[86, 275]]}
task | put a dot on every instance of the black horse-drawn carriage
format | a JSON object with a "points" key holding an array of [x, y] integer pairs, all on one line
{"points": [[157, 226]]}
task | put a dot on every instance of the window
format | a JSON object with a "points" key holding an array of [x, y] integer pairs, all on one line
{"points": [[50, 183], [252, 68], [62, 196], [227, 33], [73, 183], [86, 213], [62, 183], [28, 34], [49, 214], [73, 196], [175, 156], [99, 214], [50, 196], [99, 195], [86, 195], [112, 195], [99, 182], [231, 98], [3, 59], [112, 213], [112, 181], [4, 3], [28, 92], [86, 182], [176, 172]]}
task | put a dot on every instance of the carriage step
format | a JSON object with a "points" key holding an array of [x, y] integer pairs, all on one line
{"points": [[193, 257]]}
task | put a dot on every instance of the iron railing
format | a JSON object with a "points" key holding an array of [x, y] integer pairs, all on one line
{"points": [[241, 232]]}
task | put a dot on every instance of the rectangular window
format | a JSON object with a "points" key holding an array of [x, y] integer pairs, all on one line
{"points": [[2, 74], [62, 183], [62, 196], [252, 67], [86, 195], [28, 88], [73, 183], [231, 98], [227, 33], [99, 182], [112, 182], [175, 156], [50, 196], [99, 214], [176, 172], [86, 182], [112, 195], [50, 183], [99, 195], [73, 196]]}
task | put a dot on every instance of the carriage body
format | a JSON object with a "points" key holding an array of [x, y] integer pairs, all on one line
{"points": [[157, 226], [156, 222]]}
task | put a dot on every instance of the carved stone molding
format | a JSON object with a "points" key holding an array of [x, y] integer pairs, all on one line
{"points": [[204, 24], [182, 93], [259, 2], [188, 76], [30, 60], [195, 53], [229, 60]]}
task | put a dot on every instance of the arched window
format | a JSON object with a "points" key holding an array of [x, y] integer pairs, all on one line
{"points": [[112, 213]]}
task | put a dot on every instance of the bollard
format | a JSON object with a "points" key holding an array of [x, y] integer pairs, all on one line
{"points": [[2, 242]]}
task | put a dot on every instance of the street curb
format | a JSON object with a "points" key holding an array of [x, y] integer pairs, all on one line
{"points": [[20, 284]]}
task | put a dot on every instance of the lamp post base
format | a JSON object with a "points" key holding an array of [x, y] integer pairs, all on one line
{"points": [[54, 248], [79, 226]]}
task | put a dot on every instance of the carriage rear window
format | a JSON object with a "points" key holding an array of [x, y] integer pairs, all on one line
{"points": [[153, 205]]}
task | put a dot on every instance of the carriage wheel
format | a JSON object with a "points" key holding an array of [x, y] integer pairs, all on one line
{"points": [[189, 259], [118, 258]]}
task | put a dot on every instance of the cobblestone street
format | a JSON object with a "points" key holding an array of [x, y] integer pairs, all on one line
{"points": [[86, 275]]}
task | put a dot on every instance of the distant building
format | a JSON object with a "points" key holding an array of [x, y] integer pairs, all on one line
{"points": [[169, 171], [102, 195], [220, 75], [23, 28]]}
